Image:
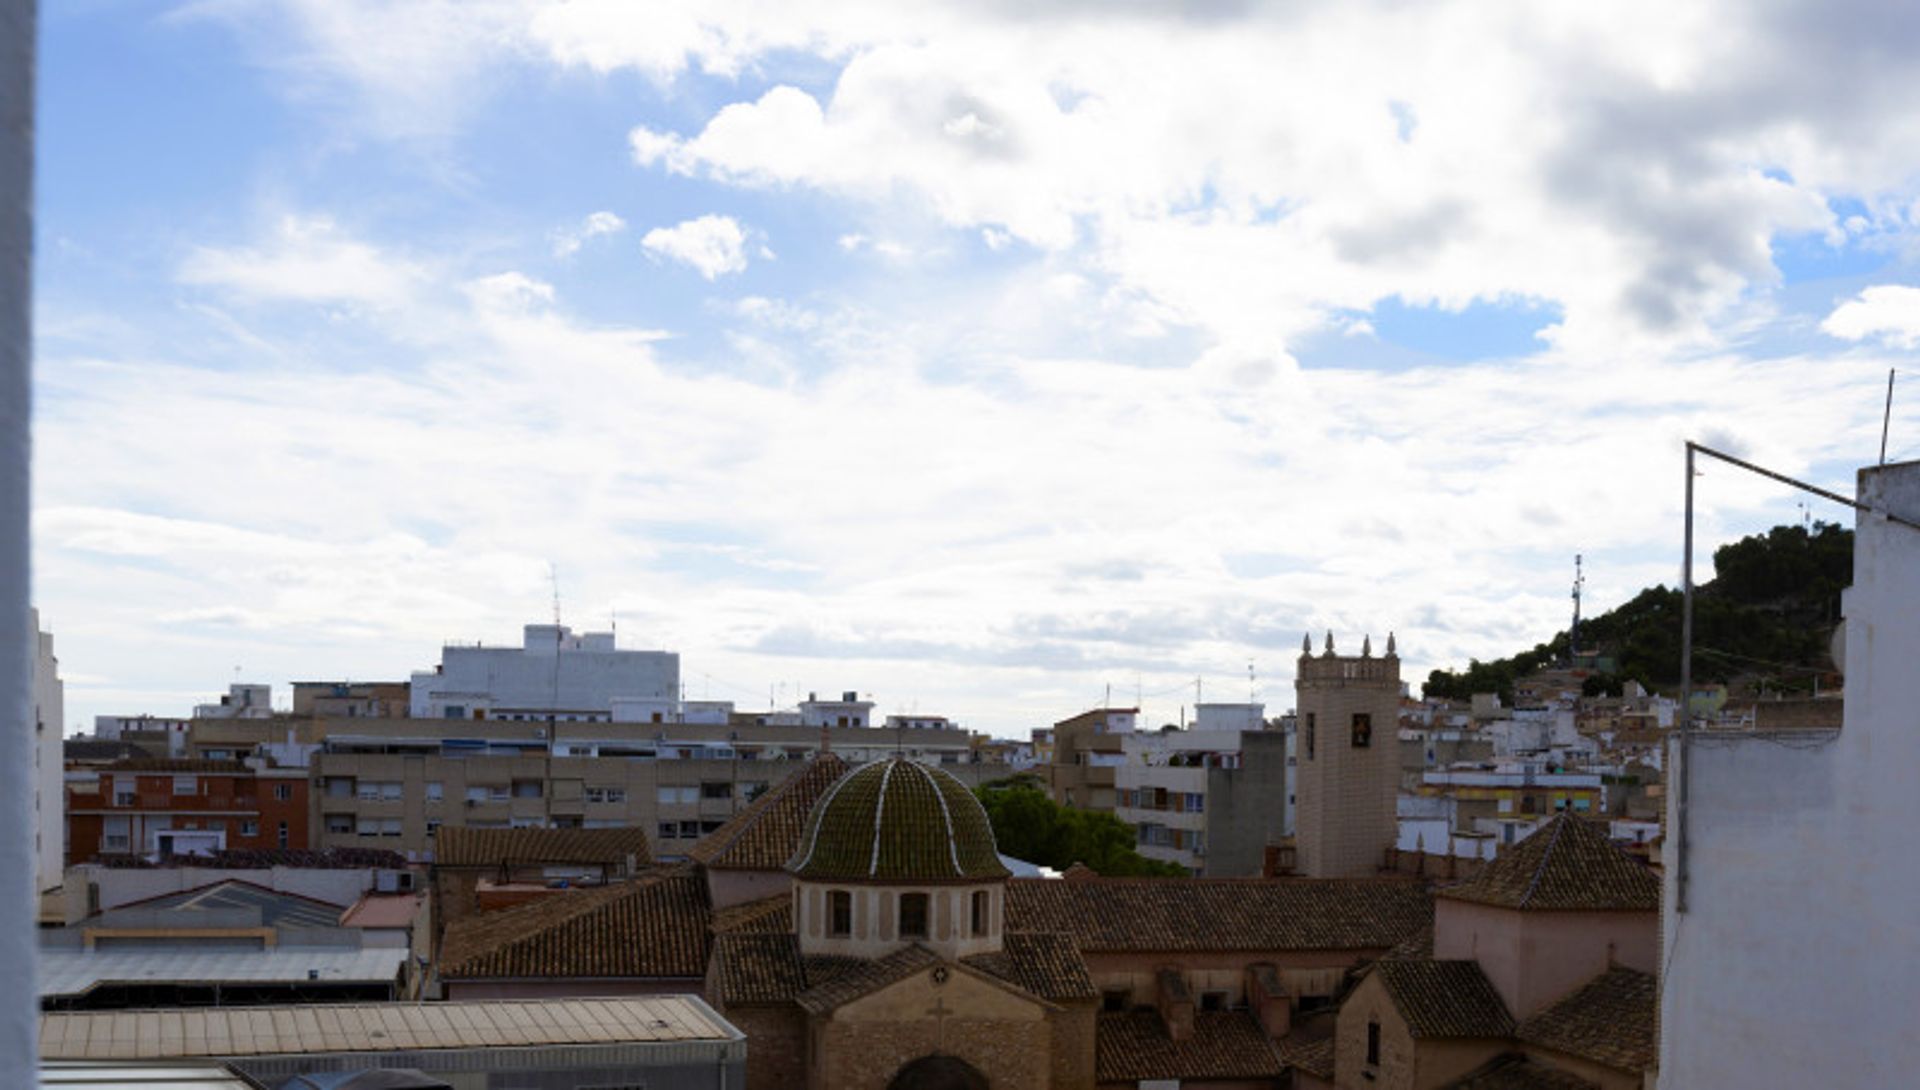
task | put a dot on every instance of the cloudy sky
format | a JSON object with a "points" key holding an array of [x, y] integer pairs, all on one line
{"points": [[978, 356]]}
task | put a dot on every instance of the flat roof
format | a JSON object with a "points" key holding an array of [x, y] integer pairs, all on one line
{"points": [[95, 1075], [377, 1027], [75, 972]]}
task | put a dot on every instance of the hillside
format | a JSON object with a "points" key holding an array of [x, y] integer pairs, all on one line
{"points": [[1764, 619]]}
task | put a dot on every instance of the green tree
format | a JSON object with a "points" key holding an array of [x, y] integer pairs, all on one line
{"points": [[1029, 825]]}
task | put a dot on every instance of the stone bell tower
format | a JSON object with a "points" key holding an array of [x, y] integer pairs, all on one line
{"points": [[1348, 761]]}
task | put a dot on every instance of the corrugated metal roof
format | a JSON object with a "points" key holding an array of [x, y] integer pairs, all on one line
{"points": [[377, 1027], [73, 972]]}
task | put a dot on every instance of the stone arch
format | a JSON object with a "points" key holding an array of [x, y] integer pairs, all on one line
{"points": [[938, 1072]]}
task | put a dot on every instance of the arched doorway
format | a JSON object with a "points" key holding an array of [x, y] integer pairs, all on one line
{"points": [[938, 1073]]}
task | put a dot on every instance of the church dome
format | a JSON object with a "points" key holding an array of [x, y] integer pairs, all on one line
{"points": [[897, 820]]}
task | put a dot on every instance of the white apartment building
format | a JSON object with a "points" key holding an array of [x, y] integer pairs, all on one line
{"points": [[1209, 800], [240, 702], [554, 674]]}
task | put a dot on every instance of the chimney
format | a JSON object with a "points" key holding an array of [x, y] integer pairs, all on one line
{"points": [[1267, 999], [1175, 1003]]}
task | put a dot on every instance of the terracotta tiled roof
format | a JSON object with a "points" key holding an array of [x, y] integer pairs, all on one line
{"points": [[765, 834], [895, 820], [867, 977], [1611, 1021], [465, 846], [1313, 1057], [1566, 864], [757, 967], [1514, 1071], [653, 927], [1416, 947], [1224, 1045], [1045, 964], [1187, 914], [1444, 998], [768, 915]]}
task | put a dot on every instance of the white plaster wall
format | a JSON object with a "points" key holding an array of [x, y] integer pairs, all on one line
{"points": [[1794, 965], [19, 1010], [590, 675]]}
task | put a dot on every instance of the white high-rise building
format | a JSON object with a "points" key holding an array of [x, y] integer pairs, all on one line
{"points": [[553, 674], [49, 762]]}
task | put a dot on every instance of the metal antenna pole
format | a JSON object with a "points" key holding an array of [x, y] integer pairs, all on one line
{"points": [[1686, 695], [1886, 417]]}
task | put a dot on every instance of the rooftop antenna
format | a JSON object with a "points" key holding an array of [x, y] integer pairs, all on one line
{"points": [[1886, 417], [553, 705], [1573, 634], [1253, 687]]}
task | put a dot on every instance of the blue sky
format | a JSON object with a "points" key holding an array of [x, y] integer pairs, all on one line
{"points": [[975, 357]]}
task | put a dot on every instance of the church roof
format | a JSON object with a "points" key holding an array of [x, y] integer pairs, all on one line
{"points": [[1568, 865], [1514, 1071], [1444, 999], [767, 967], [1612, 1020], [764, 835], [1193, 914], [1134, 1047], [655, 926], [468, 846], [897, 820]]}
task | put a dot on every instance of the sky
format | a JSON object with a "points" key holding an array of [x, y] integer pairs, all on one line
{"points": [[994, 359]]}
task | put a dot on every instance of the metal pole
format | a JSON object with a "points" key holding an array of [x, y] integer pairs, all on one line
{"points": [[1886, 417], [1686, 695]]}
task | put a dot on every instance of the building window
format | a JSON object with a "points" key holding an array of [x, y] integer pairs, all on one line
{"points": [[283, 792], [716, 790], [433, 828], [340, 824], [980, 907], [1115, 1001], [669, 830], [1362, 730], [1373, 1044], [1310, 732], [436, 790], [913, 915], [186, 785], [283, 834], [1213, 1001], [839, 913], [249, 827], [526, 789]]}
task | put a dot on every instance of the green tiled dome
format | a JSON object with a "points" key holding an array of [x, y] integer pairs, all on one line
{"points": [[897, 820]]}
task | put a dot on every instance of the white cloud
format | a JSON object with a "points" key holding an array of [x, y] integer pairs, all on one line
{"points": [[307, 260], [713, 245], [567, 242], [1887, 312]]}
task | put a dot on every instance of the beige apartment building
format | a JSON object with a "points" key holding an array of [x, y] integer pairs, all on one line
{"points": [[395, 783]]}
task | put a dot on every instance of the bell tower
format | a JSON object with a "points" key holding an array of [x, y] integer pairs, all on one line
{"points": [[1347, 759]]}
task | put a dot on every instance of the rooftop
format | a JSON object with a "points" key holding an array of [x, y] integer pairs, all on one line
{"points": [[1442, 999], [654, 926], [1613, 1020], [377, 1027], [466, 846], [1163, 914], [1224, 1045], [767, 833], [66, 973], [897, 820], [1566, 865]]}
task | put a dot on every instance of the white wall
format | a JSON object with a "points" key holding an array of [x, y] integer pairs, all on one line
{"points": [[586, 672], [19, 1010], [1794, 964]]}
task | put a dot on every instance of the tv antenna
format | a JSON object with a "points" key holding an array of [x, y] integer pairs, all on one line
{"points": [[1573, 634]]}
